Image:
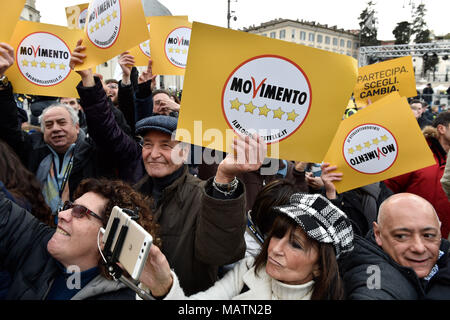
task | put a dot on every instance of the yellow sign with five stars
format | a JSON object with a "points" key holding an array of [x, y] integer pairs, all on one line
{"points": [[169, 43], [250, 82], [43, 56], [10, 15], [105, 39], [140, 58], [395, 133]]}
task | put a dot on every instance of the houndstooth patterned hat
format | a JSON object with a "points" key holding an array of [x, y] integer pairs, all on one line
{"points": [[320, 219]]}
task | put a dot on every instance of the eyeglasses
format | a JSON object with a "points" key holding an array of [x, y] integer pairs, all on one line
{"points": [[113, 85], [79, 211]]}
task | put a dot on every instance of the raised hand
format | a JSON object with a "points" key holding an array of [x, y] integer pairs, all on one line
{"points": [[328, 176], [126, 62], [147, 74], [77, 57], [248, 155], [6, 57]]}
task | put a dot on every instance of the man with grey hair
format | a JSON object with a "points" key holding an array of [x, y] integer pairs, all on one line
{"points": [[403, 257], [61, 155]]}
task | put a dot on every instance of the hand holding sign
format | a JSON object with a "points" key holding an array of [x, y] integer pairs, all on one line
{"points": [[248, 155], [126, 62], [6, 57], [76, 58], [328, 176]]}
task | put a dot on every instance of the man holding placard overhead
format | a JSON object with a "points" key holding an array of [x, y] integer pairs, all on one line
{"points": [[61, 155], [202, 222]]}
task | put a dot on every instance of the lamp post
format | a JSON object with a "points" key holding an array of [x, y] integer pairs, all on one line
{"points": [[229, 14]]}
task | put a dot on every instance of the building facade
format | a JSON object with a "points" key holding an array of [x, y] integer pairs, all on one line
{"points": [[29, 12], [311, 34]]}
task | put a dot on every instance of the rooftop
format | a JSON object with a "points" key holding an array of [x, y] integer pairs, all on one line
{"points": [[303, 22]]}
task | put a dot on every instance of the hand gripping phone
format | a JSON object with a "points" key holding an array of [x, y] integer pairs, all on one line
{"points": [[135, 241]]}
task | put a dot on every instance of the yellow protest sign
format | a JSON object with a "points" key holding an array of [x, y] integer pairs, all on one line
{"points": [[10, 15], [76, 15], [42, 53], [241, 82], [169, 44], [378, 80], [112, 27], [141, 53], [378, 143]]}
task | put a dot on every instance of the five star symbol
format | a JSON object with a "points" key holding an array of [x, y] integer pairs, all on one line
{"points": [[278, 113], [263, 111], [292, 115], [249, 107], [235, 104]]}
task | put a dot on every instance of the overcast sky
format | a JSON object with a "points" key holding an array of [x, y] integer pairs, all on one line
{"points": [[343, 13]]}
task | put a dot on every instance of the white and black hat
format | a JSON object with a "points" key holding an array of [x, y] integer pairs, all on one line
{"points": [[320, 219]]}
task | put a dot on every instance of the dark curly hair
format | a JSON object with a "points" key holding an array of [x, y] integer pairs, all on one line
{"points": [[120, 194], [22, 184]]}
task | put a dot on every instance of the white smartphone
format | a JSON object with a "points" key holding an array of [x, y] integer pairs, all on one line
{"points": [[136, 244]]}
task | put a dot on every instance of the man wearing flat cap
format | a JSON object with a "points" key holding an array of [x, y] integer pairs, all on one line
{"points": [[202, 223], [403, 258]]}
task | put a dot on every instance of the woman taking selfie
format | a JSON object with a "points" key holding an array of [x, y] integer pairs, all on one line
{"points": [[298, 259]]}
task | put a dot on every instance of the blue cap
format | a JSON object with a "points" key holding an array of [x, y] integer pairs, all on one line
{"points": [[166, 124]]}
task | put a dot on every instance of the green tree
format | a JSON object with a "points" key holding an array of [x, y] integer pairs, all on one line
{"points": [[419, 26], [402, 32], [368, 26]]}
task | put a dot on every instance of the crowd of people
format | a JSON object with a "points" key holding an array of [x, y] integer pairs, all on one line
{"points": [[228, 230]]}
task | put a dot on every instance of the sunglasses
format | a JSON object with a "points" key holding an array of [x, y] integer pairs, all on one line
{"points": [[79, 211]]}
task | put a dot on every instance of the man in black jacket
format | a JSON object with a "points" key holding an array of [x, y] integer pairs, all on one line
{"points": [[403, 258], [63, 264], [62, 155]]}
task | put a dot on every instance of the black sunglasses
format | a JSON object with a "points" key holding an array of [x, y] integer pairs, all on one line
{"points": [[79, 211]]}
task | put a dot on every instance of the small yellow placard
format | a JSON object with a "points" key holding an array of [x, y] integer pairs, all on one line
{"points": [[11, 11], [141, 53], [169, 44], [239, 83], [377, 80], [42, 53], [112, 27], [378, 143], [76, 15]]}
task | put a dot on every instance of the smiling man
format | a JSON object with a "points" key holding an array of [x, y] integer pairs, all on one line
{"points": [[404, 257], [61, 155]]}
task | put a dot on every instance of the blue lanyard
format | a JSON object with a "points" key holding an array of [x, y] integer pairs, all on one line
{"points": [[253, 229], [65, 177]]}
